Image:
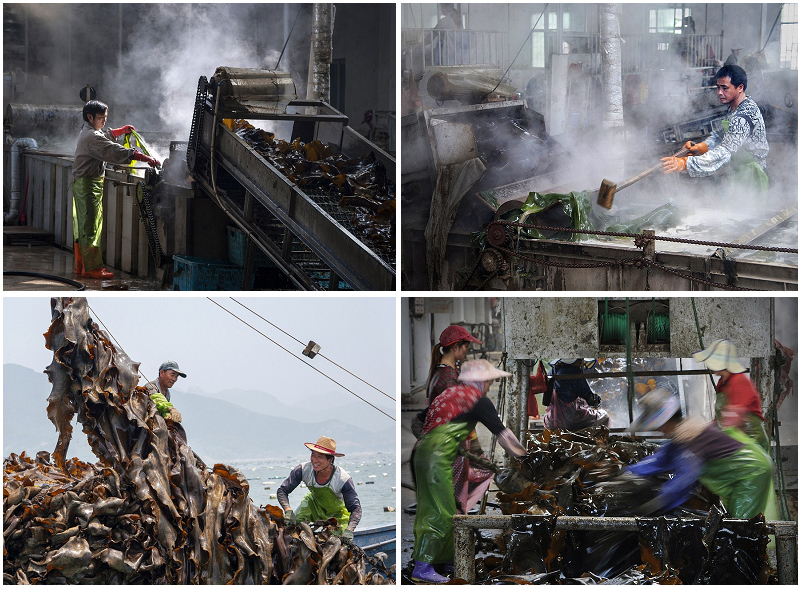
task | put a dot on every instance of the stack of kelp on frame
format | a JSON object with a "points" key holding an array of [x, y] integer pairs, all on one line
{"points": [[574, 475], [149, 511]]}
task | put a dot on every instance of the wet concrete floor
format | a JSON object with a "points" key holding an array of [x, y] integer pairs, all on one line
{"points": [[38, 257]]}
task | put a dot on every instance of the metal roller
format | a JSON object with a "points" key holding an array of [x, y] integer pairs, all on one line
{"points": [[43, 121], [249, 91]]}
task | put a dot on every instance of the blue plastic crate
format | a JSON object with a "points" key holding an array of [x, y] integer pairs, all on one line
{"points": [[237, 240], [191, 273]]}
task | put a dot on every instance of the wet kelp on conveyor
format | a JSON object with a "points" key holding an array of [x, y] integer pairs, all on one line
{"points": [[149, 511], [574, 475]]}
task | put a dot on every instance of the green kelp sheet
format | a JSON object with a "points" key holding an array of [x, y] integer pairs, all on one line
{"points": [[577, 208], [574, 475], [149, 511]]}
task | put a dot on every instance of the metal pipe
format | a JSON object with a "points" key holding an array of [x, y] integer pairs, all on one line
{"points": [[464, 528], [319, 65], [27, 143]]}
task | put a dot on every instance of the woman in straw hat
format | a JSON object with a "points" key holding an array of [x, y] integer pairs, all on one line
{"points": [[450, 419], [331, 492], [725, 460], [738, 403]]}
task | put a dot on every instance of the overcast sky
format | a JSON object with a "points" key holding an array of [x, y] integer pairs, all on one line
{"points": [[218, 352]]}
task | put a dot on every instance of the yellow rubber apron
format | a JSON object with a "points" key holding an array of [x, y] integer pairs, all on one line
{"points": [[321, 503], [87, 219]]}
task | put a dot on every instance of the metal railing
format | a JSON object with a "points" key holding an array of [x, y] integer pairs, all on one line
{"points": [[443, 47], [464, 528], [642, 52]]}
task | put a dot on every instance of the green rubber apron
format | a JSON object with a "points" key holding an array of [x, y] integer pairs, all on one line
{"points": [[436, 503], [745, 172], [743, 480], [753, 425], [322, 503], [87, 218]]}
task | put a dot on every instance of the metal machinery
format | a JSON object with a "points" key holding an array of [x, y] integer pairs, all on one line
{"points": [[551, 327], [306, 234]]}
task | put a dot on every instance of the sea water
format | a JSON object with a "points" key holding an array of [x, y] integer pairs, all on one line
{"points": [[374, 489]]}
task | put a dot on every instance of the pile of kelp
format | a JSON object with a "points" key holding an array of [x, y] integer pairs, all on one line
{"points": [[149, 512], [575, 475], [360, 185]]}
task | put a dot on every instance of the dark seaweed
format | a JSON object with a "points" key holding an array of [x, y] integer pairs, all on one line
{"points": [[149, 511]]}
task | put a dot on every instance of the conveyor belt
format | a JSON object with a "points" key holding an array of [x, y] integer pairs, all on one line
{"points": [[313, 241]]}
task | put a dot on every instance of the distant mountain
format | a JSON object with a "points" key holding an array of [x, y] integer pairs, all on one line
{"points": [[217, 430], [340, 405]]}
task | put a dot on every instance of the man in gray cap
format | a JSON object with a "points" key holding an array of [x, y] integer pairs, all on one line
{"points": [[168, 374]]}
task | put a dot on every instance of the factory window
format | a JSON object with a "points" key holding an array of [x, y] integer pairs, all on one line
{"points": [[669, 20], [789, 36]]}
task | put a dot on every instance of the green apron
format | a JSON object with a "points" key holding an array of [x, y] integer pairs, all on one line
{"points": [[87, 219], [745, 172], [436, 503], [743, 480], [321, 504], [753, 425]]}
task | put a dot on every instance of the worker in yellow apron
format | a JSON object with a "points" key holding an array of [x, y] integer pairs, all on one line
{"points": [[331, 491], [95, 147]]}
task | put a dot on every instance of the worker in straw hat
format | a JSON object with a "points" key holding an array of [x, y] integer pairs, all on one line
{"points": [[738, 403], [450, 419], [724, 460], [331, 492]]}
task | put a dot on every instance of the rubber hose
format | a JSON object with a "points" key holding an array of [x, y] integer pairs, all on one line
{"points": [[40, 275]]}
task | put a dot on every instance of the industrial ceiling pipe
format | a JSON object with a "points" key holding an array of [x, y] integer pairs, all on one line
{"points": [[27, 143]]}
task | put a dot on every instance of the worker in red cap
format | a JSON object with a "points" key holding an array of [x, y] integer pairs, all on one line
{"points": [[446, 356], [451, 418], [95, 147], [331, 492]]}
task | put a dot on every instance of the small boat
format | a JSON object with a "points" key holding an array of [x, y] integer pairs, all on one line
{"points": [[377, 539], [373, 476], [370, 482], [394, 488], [385, 474], [273, 496]]}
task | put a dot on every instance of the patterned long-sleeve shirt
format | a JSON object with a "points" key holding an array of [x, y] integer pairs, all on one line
{"points": [[745, 131]]}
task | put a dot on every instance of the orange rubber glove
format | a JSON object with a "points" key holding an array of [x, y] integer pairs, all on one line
{"points": [[696, 149], [672, 164], [124, 130]]}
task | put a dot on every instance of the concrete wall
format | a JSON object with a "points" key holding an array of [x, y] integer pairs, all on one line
{"points": [[552, 327]]}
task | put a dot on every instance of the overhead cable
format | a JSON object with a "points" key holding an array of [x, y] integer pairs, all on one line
{"points": [[318, 354], [300, 359]]}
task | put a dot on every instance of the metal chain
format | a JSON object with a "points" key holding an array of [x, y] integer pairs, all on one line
{"points": [[689, 277], [639, 262], [640, 236]]}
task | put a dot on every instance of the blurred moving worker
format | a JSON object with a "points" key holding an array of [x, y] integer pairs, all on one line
{"points": [[741, 149], [331, 491], [725, 460], [573, 405], [451, 417], [738, 403], [95, 147]]}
